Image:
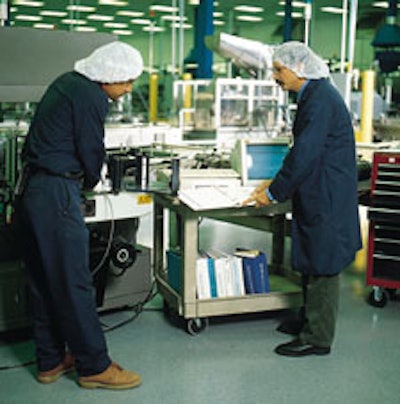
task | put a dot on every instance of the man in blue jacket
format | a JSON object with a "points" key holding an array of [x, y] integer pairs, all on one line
{"points": [[63, 153], [319, 175]]}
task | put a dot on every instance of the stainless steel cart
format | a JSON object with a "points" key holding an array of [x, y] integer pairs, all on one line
{"points": [[195, 312]]}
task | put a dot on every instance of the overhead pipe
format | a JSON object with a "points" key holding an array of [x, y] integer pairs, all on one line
{"points": [[352, 33], [307, 21], [345, 7]]}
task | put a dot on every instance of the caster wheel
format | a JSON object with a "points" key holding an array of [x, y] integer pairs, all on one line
{"points": [[196, 325], [378, 297]]}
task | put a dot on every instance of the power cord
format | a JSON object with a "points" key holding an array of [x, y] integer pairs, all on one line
{"points": [[137, 309]]}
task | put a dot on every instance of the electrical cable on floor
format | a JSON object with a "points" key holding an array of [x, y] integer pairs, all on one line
{"points": [[22, 365], [137, 309]]}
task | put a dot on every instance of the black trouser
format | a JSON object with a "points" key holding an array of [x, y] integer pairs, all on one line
{"points": [[321, 297], [57, 256]]}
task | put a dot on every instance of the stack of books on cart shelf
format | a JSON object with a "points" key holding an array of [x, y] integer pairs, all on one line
{"points": [[221, 275]]}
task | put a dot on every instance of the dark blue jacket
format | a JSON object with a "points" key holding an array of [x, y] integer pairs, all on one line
{"points": [[67, 132], [319, 174]]}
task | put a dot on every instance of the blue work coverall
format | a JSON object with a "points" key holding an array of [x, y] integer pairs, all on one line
{"points": [[64, 150], [319, 175]]}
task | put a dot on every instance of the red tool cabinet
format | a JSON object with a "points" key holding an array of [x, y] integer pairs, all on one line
{"points": [[383, 265]]}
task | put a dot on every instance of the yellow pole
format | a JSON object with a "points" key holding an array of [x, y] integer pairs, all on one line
{"points": [[153, 97], [187, 96], [367, 106]]}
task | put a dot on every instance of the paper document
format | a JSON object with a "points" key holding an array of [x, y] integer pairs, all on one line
{"points": [[214, 197]]}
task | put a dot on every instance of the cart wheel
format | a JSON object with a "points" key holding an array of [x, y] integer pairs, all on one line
{"points": [[378, 297], [196, 325]]}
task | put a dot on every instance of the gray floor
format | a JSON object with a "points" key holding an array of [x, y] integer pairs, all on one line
{"points": [[232, 361]]}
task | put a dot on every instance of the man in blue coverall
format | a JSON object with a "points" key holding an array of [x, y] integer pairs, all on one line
{"points": [[319, 175], [63, 153]]}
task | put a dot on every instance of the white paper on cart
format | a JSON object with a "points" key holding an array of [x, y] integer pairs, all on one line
{"points": [[204, 198]]}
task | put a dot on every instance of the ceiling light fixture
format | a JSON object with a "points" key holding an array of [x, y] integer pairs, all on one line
{"points": [[53, 13], [28, 3], [86, 29], [295, 4], [295, 14], [128, 13], [122, 32], [100, 17], [43, 26], [173, 18], [113, 3], [141, 21], [82, 9], [72, 21], [165, 9], [24, 17], [115, 25], [178, 25], [332, 10], [249, 9], [251, 18], [153, 29]]}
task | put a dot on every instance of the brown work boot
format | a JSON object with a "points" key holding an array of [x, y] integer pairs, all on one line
{"points": [[114, 377], [52, 375]]}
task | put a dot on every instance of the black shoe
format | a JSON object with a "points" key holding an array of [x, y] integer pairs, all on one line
{"points": [[299, 348]]}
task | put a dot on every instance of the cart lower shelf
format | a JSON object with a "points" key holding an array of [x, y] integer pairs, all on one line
{"points": [[284, 294]]}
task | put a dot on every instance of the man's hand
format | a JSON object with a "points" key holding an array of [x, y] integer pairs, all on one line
{"points": [[260, 198], [262, 187]]}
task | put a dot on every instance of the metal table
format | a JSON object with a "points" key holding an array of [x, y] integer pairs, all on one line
{"points": [[195, 312]]}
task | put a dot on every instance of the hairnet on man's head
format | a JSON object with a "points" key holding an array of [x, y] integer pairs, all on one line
{"points": [[112, 63], [301, 60]]}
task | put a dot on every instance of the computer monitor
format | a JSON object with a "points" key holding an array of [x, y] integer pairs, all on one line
{"points": [[256, 161]]}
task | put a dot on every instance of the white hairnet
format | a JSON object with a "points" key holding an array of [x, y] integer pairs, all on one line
{"points": [[112, 63], [301, 60]]}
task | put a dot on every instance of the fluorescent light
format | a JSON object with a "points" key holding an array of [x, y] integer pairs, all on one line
{"points": [[115, 25], [295, 14], [24, 17], [127, 13], [252, 18], [86, 29], [218, 14], [122, 32], [53, 13], [332, 10], [43, 26], [28, 3], [249, 9], [178, 25], [141, 21], [72, 21], [218, 22], [165, 9], [173, 18], [82, 9], [153, 29], [100, 17], [383, 4], [295, 4], [113, 3]]}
